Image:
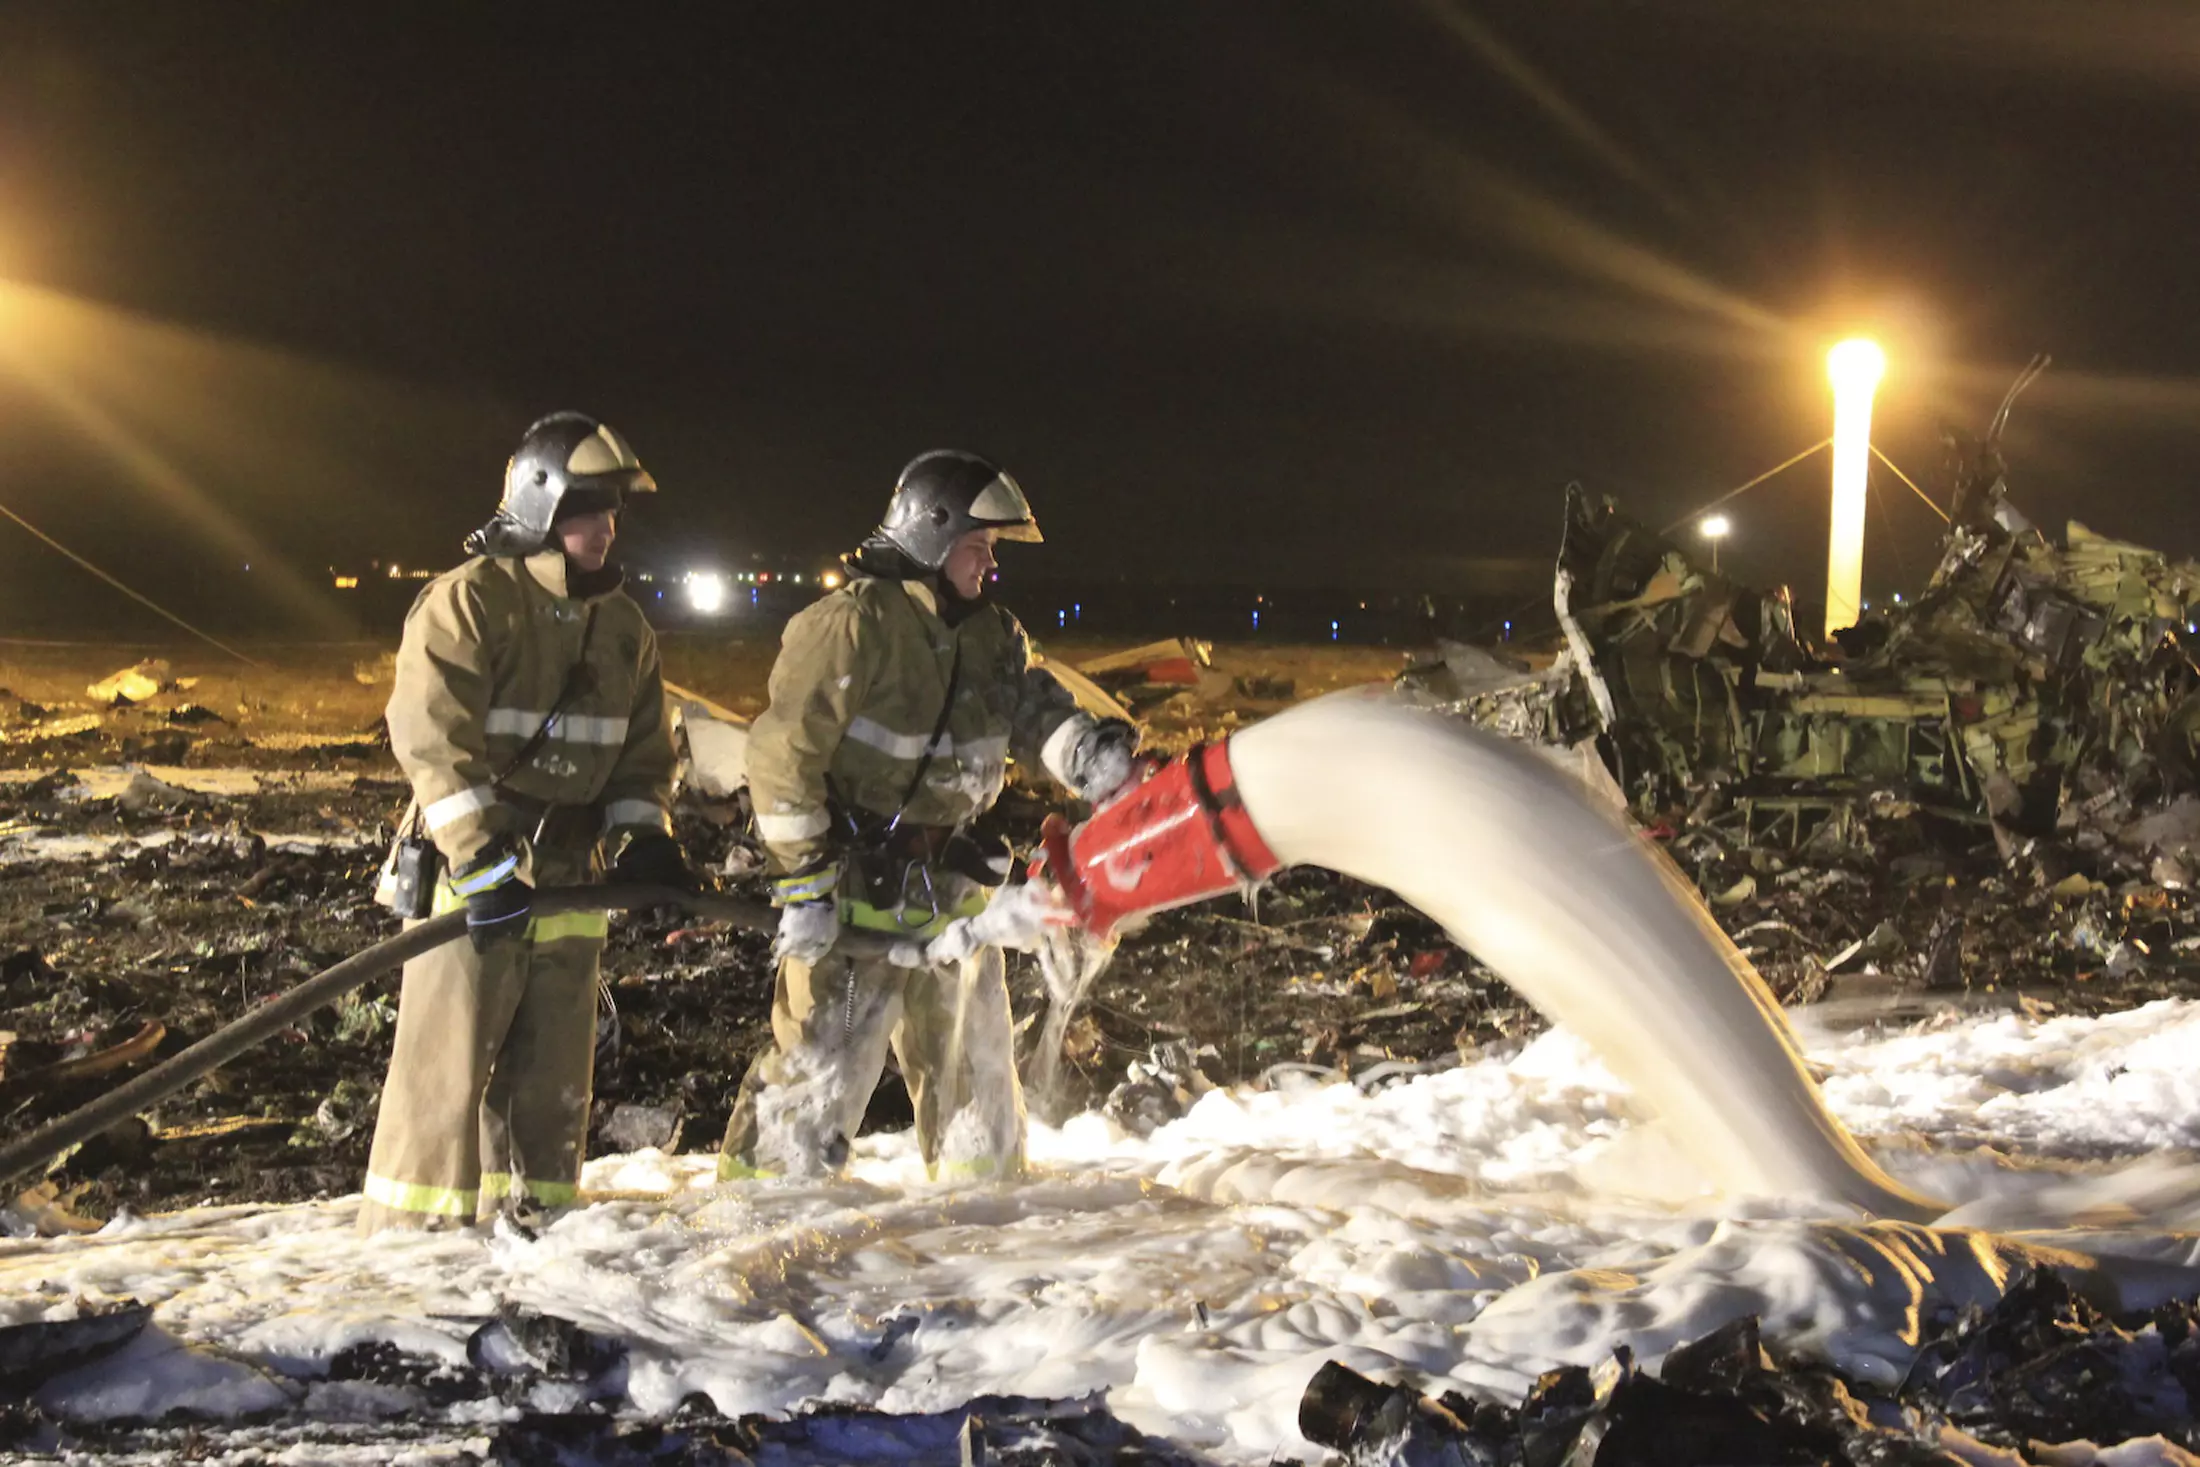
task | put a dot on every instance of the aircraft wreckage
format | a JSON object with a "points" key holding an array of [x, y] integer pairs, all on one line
{"points": [[2043, 693]]}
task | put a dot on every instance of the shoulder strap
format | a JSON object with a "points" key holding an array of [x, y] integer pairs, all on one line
{"points": [[939, 731], [576, 682]]}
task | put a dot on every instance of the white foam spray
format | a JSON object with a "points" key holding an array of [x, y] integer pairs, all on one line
{"points": [[984, 1134], [1575, 911], [1070, 959]]}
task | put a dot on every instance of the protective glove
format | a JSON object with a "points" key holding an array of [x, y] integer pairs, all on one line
{"points": [[1101, 763], [1018, 916], [652, 858], [807, 931], [498, 897]]}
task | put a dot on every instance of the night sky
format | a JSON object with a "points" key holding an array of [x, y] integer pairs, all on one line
{"points": [[1336, 293]]}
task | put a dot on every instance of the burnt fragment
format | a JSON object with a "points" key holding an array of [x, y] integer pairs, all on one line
{"points": [[30, 1353]]}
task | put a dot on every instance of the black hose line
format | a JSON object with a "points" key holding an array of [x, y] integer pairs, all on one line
{"points": [[29, 1154]]}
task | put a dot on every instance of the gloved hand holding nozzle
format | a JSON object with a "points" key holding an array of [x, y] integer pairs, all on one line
{"points": [[1019, 917], [1103, 762]]}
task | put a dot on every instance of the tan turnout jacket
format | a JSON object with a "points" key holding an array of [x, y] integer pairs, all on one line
{"points": [[486, 652], [855, 695]]}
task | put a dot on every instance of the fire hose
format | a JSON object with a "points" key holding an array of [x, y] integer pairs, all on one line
{"points": [[22, 1157]]}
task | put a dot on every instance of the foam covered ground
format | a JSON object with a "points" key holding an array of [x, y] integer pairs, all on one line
{"points": [[1472, 1227]]}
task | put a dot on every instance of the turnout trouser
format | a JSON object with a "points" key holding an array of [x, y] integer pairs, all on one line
{"points": [[486, 1103], [801, 1102]]}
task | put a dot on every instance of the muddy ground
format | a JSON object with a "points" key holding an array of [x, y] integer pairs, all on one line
{"points": [[133, 923]]}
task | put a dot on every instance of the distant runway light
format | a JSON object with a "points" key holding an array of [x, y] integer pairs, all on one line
{"points": [[706, 592]]}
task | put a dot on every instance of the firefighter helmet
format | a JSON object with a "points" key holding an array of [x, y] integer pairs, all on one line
{"points": [[569, 463], [944, 495]]}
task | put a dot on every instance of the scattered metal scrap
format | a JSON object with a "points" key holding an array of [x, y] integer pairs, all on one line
{"points": [[136, 684], [101, 1062], [1140, 676], [1995, 785]]}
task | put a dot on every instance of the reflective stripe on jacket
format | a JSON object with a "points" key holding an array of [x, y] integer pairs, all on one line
{"points": [[855, 696], [486, 652]]}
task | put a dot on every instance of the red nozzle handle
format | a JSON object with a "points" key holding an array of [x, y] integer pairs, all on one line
{"points": [[1056, 862]]}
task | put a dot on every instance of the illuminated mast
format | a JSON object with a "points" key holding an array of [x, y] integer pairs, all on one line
{"points": [[1855, 367]]}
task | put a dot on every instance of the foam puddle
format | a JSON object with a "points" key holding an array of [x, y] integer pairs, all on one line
{"points": [[1461, 1227]]}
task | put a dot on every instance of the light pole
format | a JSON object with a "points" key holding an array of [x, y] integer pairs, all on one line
{"points": [[1714, 528], [1854, 367]]}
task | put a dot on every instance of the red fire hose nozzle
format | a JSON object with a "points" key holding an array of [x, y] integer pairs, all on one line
{"points": [[1179, 836]]}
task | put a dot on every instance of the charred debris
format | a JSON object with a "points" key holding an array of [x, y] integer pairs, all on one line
{"points": [[1999, 1383], [2027, 730]]}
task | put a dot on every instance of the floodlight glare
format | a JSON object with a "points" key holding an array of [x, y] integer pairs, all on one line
{"points": [[1854, 367], [706, 592], [1713, 527]]}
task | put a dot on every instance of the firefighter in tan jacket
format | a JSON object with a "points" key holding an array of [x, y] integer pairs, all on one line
{"points": [[896, 704], [528, 714]]}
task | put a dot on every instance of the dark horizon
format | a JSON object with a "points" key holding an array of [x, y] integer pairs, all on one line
{"points": [[1341, 295], [1114, 609]]}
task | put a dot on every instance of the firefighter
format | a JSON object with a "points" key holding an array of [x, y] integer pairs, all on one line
{"points": [[896, 703], [528, 714]]}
